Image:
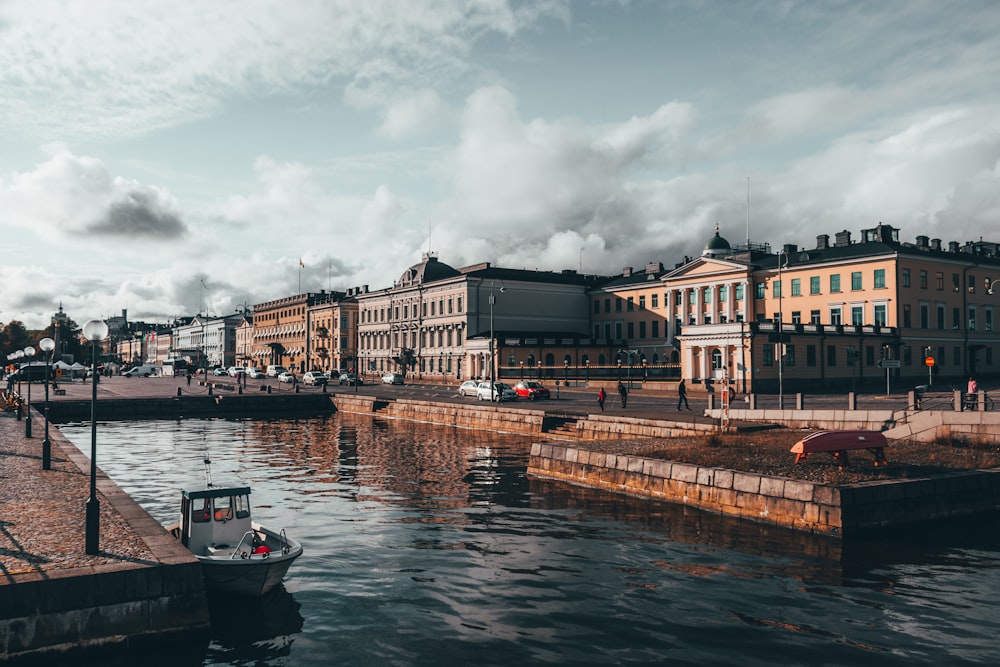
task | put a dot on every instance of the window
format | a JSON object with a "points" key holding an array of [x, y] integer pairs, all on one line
{"points": [[880, 314], [655, 298], [835, 316], [618, 304], [706, 295], [607, 305], [631, 330], [642, 330], [796, 287], [642, 302], [835, 282], [597, 306], [956, 284], [760, 290], [768, 351], [906, 278], [907, 355], [857, 315], [789, 355], [776, 289], [814, 317], [879, 278], [940, 316], [855, 280], [940, 280], [814, 285], [972, 284], [717, 360], [796, 317], [870, 355], [988, 319], [972, 318], [739, 292], [631, 304], [692, 297], [723, 293], [907, 316], [957, 355], [956, 319], [678, 298], [655, 328], [831, 355], [810, 355]]}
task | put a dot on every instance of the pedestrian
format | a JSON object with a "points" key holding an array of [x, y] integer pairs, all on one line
{"points": [[973, 386], [601, 397], [623, 392], [682, 395], [189, 378]]}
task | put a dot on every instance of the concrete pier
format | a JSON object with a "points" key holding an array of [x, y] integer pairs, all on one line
{"points": [[56, 602]]}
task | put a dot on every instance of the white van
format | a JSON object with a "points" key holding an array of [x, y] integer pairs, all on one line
{"points": [[144, 370], [275, 371]]}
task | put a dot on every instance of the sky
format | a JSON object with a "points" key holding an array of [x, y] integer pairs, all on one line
{"points": [[170, 158]]}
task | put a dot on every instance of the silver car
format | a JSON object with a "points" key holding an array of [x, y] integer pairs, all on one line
{"points": [[486, 392], [468, 388]]}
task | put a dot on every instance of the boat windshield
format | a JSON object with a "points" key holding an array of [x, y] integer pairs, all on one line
{"points": [[242, 506], [200, 512], [223, 508]]}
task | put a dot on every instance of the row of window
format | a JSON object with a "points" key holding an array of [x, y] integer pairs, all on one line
{"points": [[956, 281], [400, 339], [851, 355], [857, 284], [430, 307], [956, 317]]}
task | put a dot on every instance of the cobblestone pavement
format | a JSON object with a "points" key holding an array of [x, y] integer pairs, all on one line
{"points": [[42, 512]]}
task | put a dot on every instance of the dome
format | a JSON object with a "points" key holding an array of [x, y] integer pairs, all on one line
{"points": [[429, 270], [717, 246]]}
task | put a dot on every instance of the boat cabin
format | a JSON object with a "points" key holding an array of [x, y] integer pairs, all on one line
{"points": [[214, 518]]}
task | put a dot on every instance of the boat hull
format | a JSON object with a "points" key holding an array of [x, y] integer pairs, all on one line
{"points": [[248, 574]]}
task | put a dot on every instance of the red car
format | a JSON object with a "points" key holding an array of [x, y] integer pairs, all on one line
{"points": [[531, 390]]}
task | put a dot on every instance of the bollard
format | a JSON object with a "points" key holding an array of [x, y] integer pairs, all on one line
{"points": [[239, 389], [209, 390], [981, 400], [296, 389], [178, 392], [18, 408], [269, 389], [957, 400], [711, 401], [911, 400], [798, 401], [751, 401], [852, 401]]}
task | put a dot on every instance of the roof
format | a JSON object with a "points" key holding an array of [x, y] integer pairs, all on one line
{"points": [[228, 488]]}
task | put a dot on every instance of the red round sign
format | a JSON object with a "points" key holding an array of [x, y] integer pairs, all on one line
{"points": [[929, 361]]}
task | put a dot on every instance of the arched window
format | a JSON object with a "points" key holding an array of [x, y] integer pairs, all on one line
{"points": [[531, 360], [602, 360], [717, 359], [567, 360], [656, 358], [585, 359]]}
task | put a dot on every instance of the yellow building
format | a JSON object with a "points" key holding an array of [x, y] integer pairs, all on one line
{"points": [[838, 315]]}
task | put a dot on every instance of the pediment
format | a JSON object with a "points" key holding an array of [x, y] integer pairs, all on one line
{"points": [[706, 267]]}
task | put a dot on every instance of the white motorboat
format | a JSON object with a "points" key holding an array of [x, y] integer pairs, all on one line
{"points": [[237, 555]]}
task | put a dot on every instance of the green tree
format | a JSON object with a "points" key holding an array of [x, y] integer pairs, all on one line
{"points": [[14, 337]]}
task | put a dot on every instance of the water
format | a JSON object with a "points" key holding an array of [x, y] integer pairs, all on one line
{"points": [[431, 546]]}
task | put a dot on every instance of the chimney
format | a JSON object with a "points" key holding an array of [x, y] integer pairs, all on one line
{"points": [[922, 242], [935, 244], [822, 242], [654, 267], [627, 272], [790, 248], [843, 239], [952, 246]]}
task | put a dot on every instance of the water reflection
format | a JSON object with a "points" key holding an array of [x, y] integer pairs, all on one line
{"points": [[428, 545]]}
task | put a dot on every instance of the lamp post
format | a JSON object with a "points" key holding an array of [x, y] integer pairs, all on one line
{"points": [[95, 331], [781, 335], [29, 352], [47, 346]]}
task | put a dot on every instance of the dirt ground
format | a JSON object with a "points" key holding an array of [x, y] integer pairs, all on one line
{"points": [[767, 452]]}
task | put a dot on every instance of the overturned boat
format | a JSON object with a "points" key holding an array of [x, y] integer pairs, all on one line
{"points": [[237, 555]]}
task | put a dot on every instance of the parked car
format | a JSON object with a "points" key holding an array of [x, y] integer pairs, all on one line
{"points": [[350, 379], [287, 377], [275, 371], [531, 390], [255, 373], [314, 378], [392, 378], [219, 370], [468, 388], [236, 371], [139, 371], [487, 392]]}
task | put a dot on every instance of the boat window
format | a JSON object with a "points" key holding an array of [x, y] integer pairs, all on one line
{"points": [[223, 508], [199, 510], [242, 507]]}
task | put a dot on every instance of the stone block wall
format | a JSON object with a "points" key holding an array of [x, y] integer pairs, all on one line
{"points": [[816, 508]]}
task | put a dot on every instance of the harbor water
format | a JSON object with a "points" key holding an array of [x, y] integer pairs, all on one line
{"points": [[429, 545]]}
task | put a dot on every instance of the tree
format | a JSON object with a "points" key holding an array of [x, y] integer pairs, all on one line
{"points": [[14, 337]]}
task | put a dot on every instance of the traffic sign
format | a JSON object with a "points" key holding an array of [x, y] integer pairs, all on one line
{"points": [[888, 363], [929, 361]]}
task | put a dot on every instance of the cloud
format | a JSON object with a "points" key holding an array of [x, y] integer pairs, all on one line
{"points": [[417, 112], [70, 198]]}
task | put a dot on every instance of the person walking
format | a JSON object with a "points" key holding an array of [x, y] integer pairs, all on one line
{"points": [[623, 393], [682, 395], [601, 397]]}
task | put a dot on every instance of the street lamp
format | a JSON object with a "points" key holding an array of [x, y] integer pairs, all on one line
{"points": [[47, 346], [493, 364], [95, 331], [781, 334], [29, 352]]}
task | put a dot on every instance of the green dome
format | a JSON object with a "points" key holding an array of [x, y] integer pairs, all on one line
{"points": [[717, 246]]}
